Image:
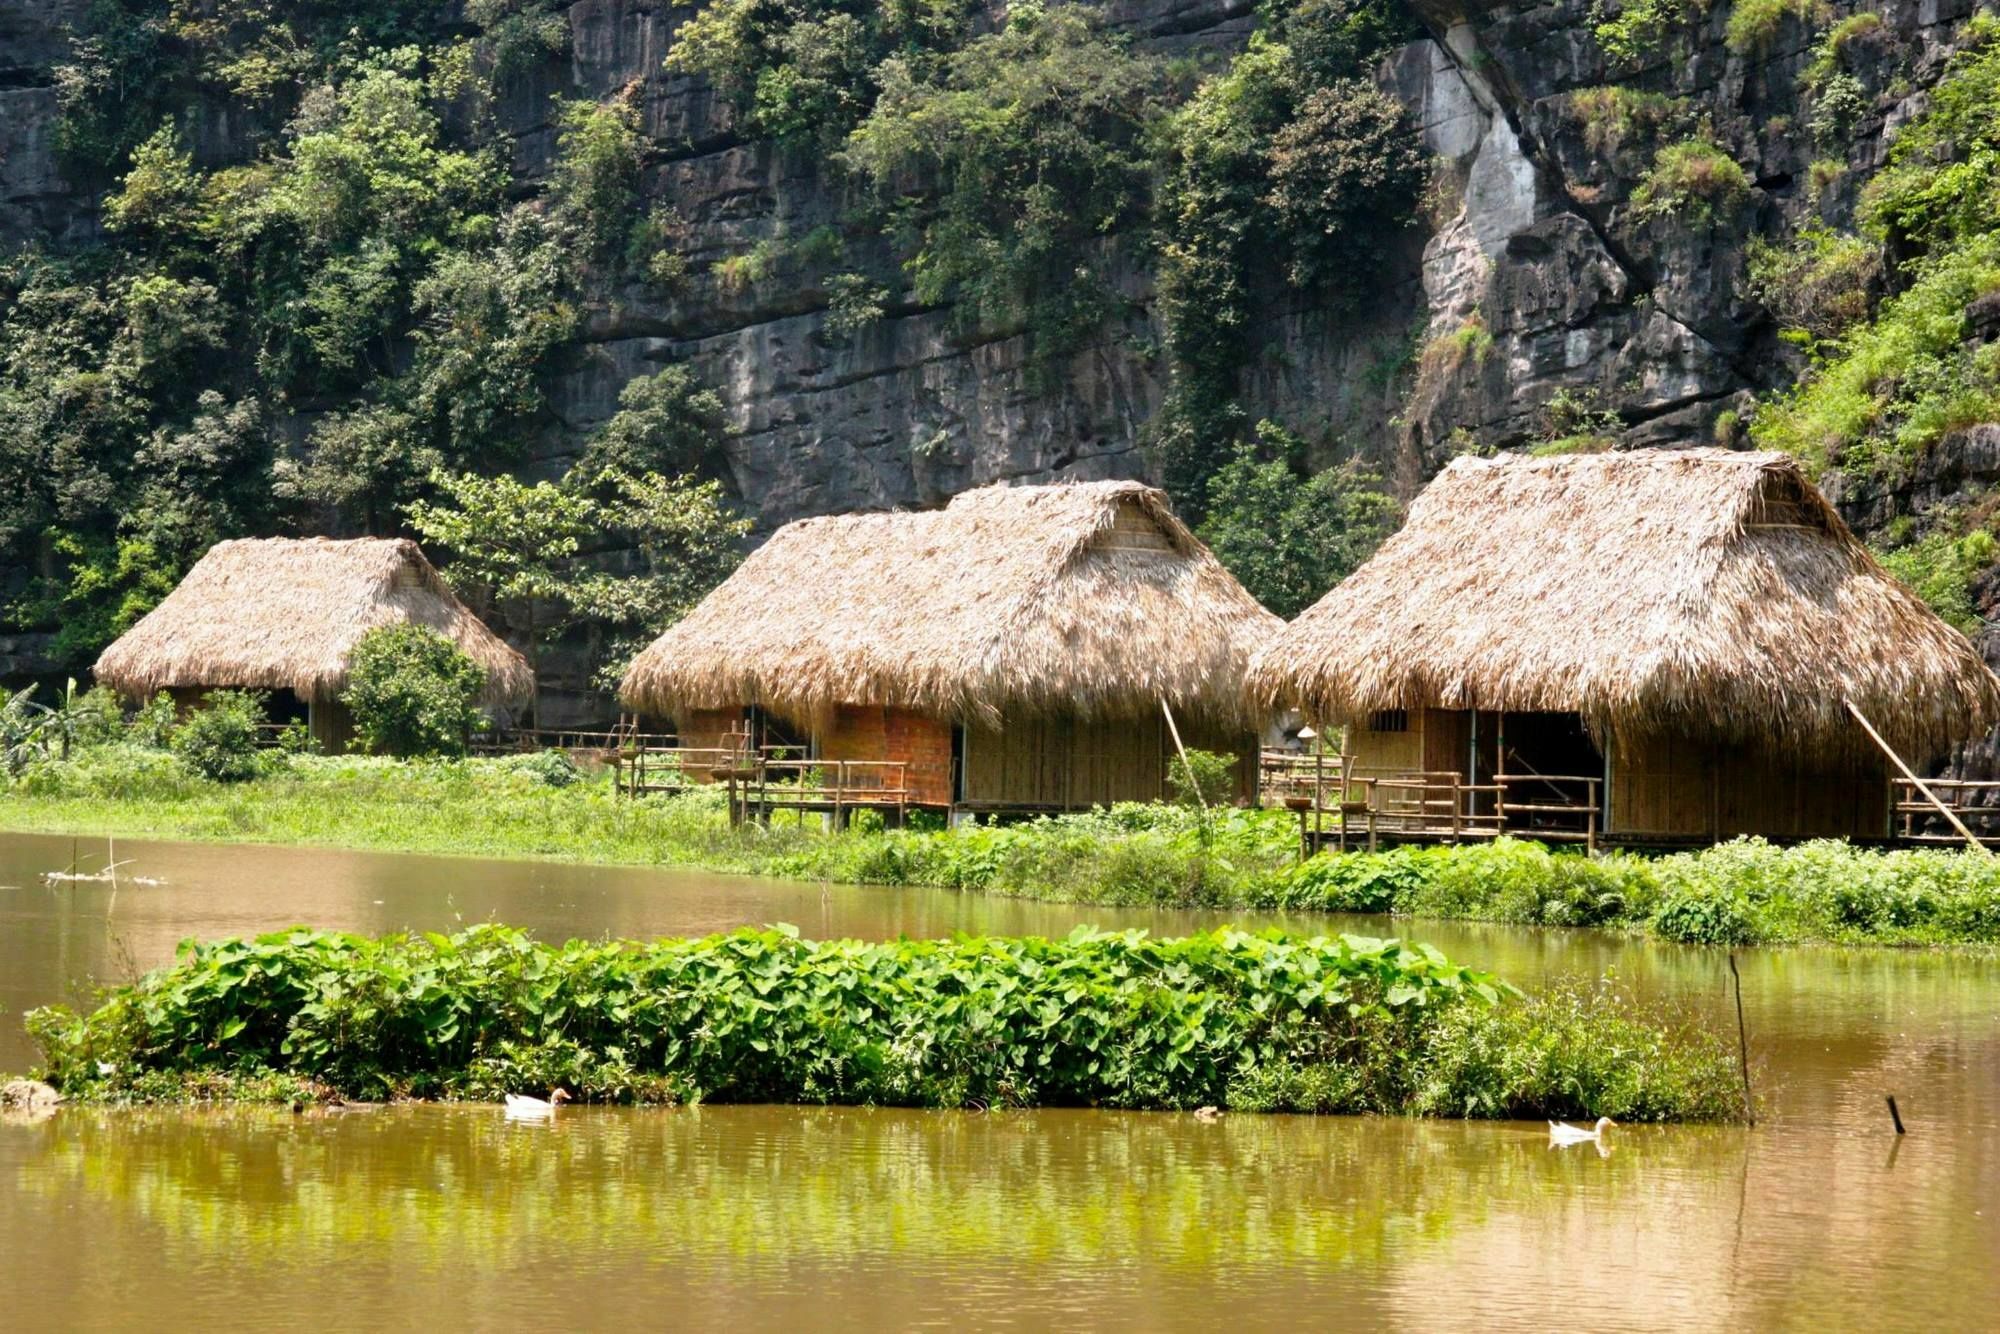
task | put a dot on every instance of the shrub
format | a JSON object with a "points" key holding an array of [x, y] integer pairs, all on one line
{"points": [[1693, 180], [1579, 1050], [1819, 286], [1754, 23], [550, 768], [153, 723], [218, 738], [413, 692], [1941, 569], [1202, 778]]}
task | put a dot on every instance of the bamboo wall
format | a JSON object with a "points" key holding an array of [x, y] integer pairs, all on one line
{"points": [[1674, 787], [1072, 764]]}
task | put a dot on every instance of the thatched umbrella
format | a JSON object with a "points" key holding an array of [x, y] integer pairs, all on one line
{"points": [[285, 614], [1700, 591], [1083, 600]]}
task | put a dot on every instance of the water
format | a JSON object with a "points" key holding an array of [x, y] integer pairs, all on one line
{"points": [[786, 1217]]}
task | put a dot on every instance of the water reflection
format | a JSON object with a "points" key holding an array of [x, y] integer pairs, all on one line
{"points": [[842, 1215], [781, 1216]]}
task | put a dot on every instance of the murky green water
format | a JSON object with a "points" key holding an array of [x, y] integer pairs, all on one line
{"points": [[784, 1217]]}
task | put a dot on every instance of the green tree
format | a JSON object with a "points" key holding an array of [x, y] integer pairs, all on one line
{"points": [[667, 422], [1291, 537], [688, 538], [1035, 135], [413, 692], [513, 548]]}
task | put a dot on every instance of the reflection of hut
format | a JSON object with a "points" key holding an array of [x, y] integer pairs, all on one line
{"points": [[283, 614], [1011, 651], [1668, 639]]}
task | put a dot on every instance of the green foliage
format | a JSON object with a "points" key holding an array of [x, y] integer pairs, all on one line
{"points": [[1818, 286], [1614, 116], [1034, 135], [518, 548], [413, 692], [1202, 778], [1579, 1050], [552, 768], [1286, 158], [667, 422], [1639, 34], [1888, 388], [1693, 180], [218, 737], [1288, 537], [1096, 1019], [1941, 568], [1753, 24]]}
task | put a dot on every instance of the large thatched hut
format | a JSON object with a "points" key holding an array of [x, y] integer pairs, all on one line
{"points": [[283, 614], [1012, 650], [1671, 637]]}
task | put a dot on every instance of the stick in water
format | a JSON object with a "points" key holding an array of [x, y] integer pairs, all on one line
{"points": [[1895, 1115], [1742, 1042]]}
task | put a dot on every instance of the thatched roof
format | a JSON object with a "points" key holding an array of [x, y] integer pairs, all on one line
{"points": [[284, 613], [1696, 590], [1088, 598]]}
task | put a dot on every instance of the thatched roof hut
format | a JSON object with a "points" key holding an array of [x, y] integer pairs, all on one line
{"points": [[1698, 591], [285, 613], [1086, 599]]}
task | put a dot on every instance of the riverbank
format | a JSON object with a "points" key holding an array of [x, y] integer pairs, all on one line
{"points": [[1224, 1019], [1746, 892]]}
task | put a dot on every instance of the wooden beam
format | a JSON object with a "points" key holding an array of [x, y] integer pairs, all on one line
{"points": [[1915, 781]]}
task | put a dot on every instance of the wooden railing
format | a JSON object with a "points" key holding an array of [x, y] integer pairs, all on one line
{"points": [[1976, 803], [669, 769], [1444, 807], [835, 787]]}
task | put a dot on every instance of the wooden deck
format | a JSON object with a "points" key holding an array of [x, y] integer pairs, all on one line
{"points": [[1338, 807], [762, 782]]}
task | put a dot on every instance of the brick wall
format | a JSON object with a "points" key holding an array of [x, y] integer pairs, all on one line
{"points": [[921, 743]]}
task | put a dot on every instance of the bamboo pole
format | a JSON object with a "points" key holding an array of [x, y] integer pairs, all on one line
{"points": [[1194, 780], [1915, 781]]}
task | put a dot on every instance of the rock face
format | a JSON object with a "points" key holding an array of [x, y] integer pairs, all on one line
{"points": [[1588, 305]]}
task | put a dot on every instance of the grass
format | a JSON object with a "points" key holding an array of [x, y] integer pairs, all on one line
{"points": [[1743, 892], [1262, 1022]]}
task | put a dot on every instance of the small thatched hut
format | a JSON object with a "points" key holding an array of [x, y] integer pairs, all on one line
{"points": [[1686, 627], [283, 614], [1013, 649]]}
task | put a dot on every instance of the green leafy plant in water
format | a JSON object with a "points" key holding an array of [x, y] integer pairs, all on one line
{"points": [[1096, 1019]]}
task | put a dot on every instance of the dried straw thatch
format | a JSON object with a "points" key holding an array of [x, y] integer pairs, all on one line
{"points": [[284, 613], [1088, 599], [1699, 591]]}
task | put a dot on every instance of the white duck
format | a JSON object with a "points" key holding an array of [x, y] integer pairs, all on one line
{"points": [[521, 1107], [1562, 1135]]}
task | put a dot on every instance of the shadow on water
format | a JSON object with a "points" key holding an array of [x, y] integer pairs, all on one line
{"points": [[842, 1217]]}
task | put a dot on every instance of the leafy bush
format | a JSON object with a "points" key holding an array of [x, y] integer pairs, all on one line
{"points": [[1693, 181], [1941, 568], [1704, 914], [1286, 537], [1819, 286], [218, 738], [413, 692], [1202, 778], [1578, 1050], [1096, 1019], [153, 723], [1754, 23], [550, 768]]}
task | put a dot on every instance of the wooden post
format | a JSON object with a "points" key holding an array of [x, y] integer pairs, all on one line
{"points": [[1590, 817], [1915, 781], [1456, 802]]}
